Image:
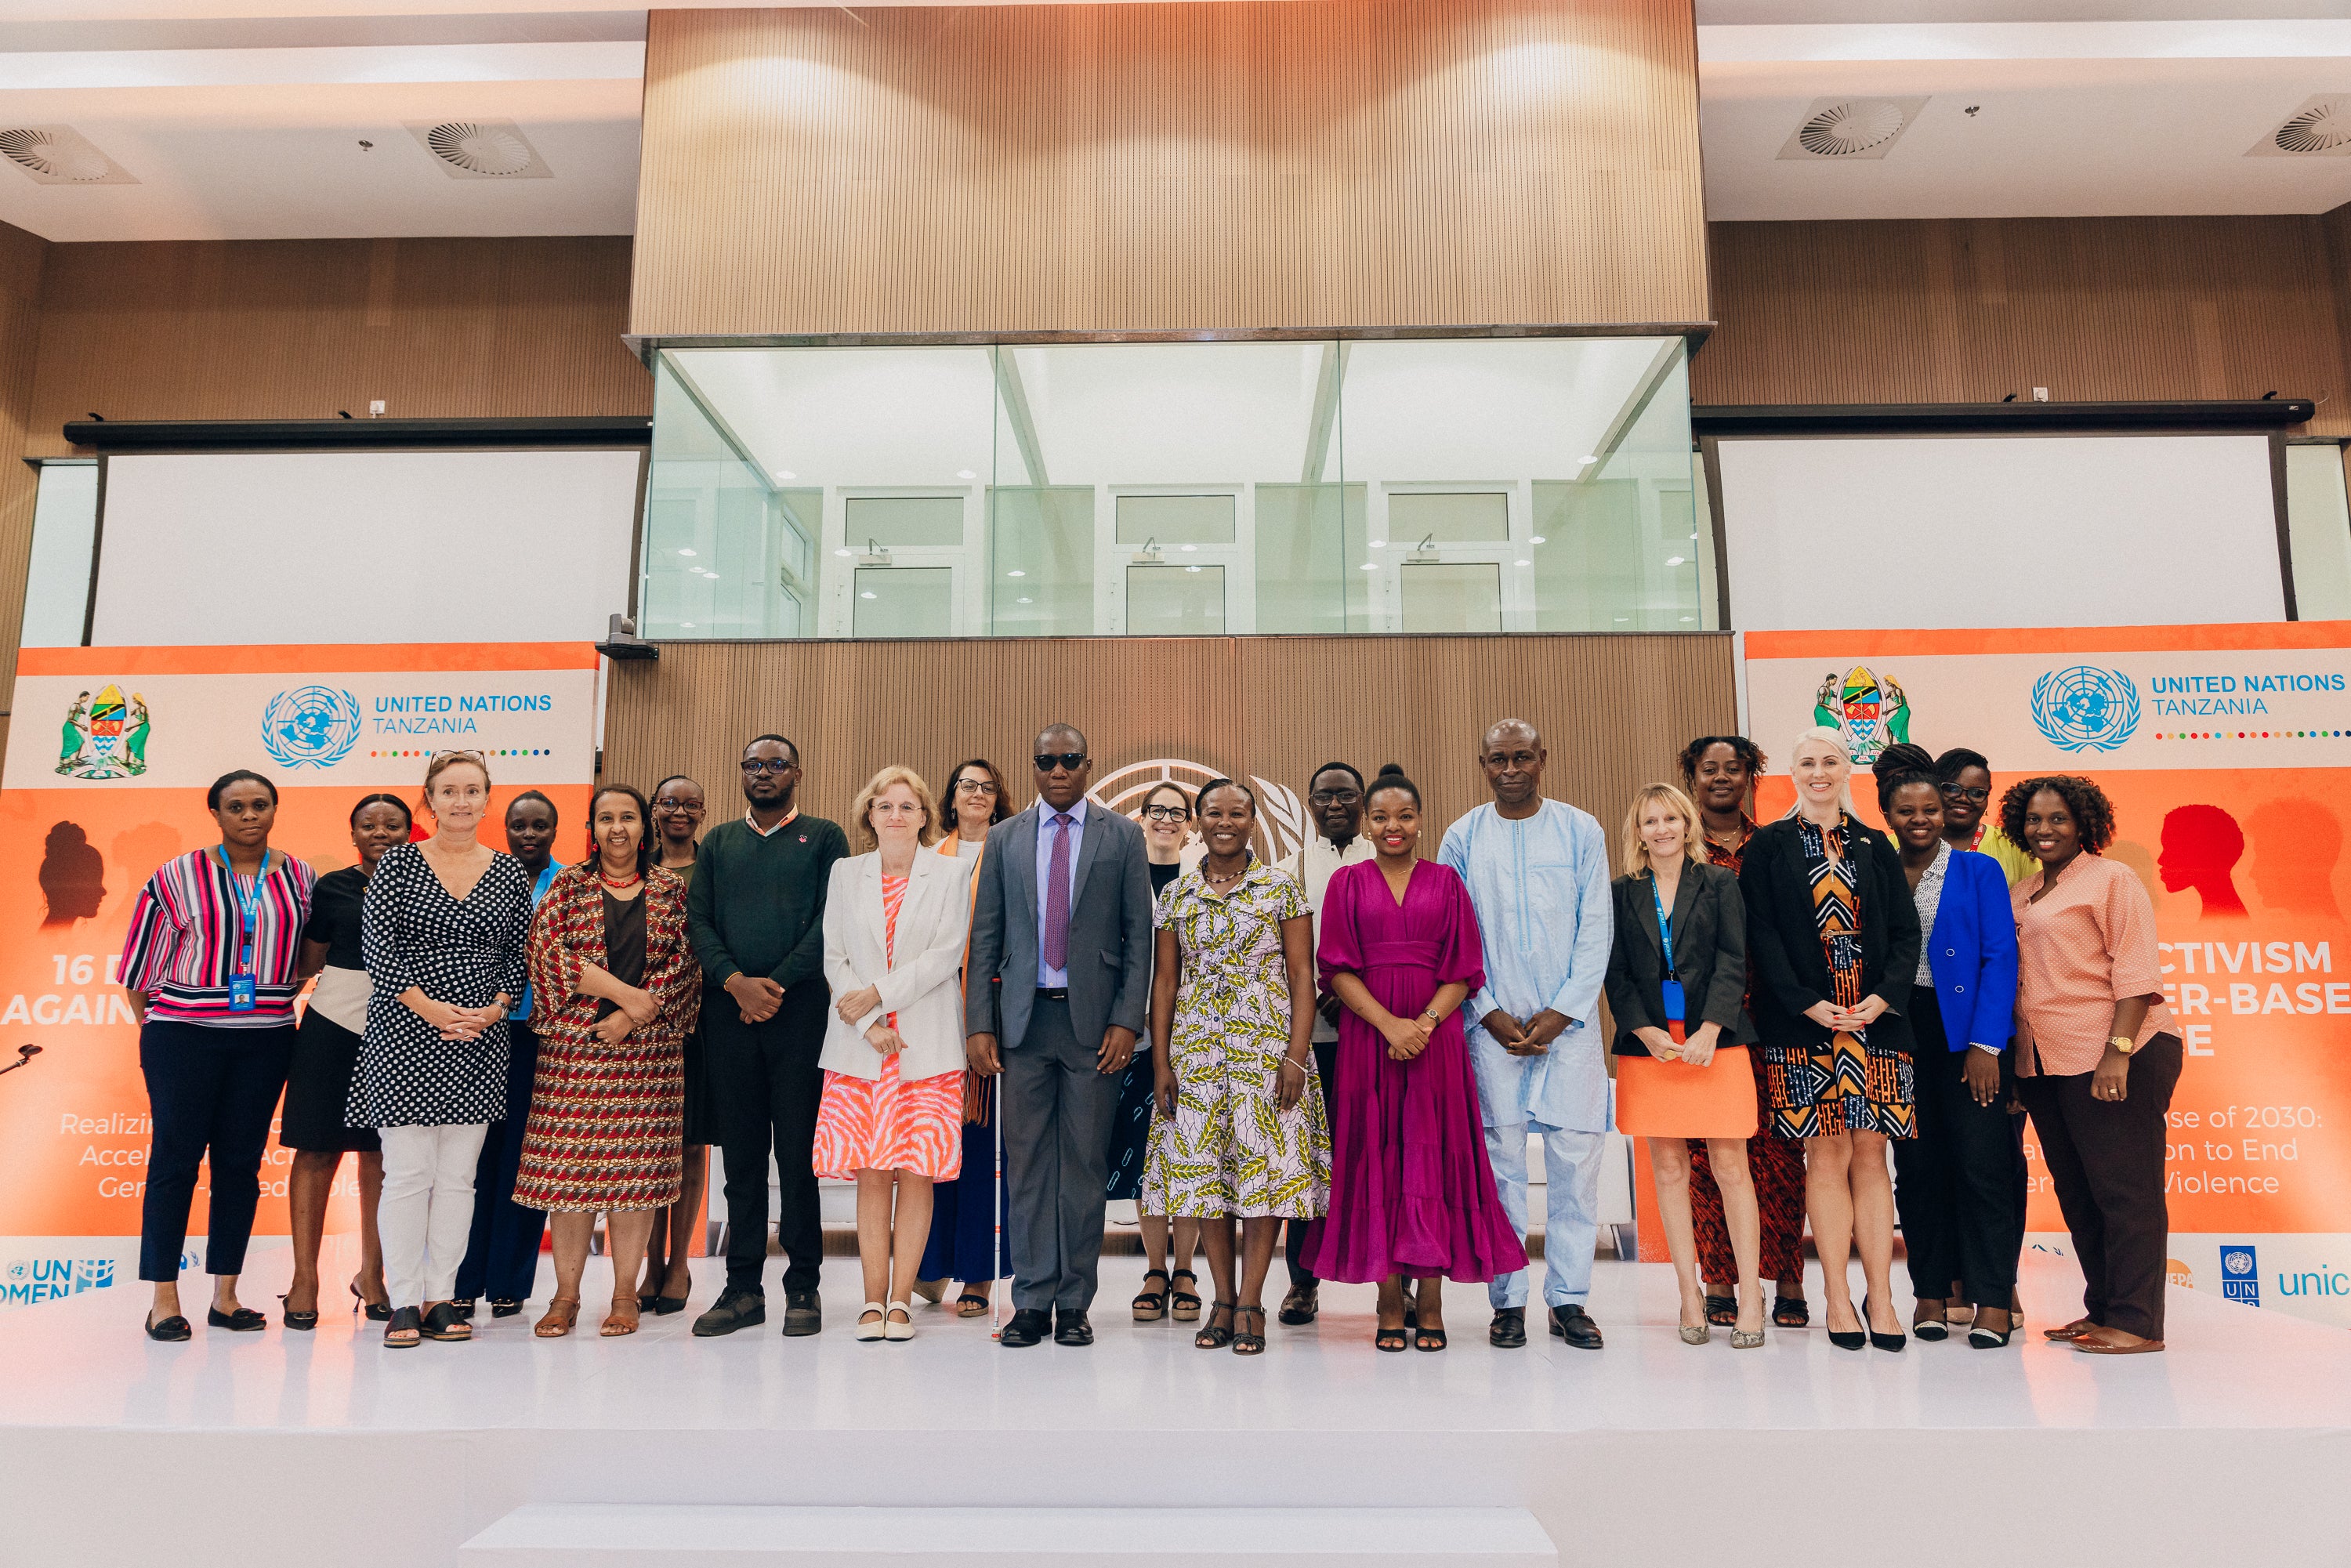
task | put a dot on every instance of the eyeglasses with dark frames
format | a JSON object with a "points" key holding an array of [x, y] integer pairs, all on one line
{"points": [[1955, 792], [778, 765], [1165, 813], [975, 787], [1336, 797], [1063, 762]]}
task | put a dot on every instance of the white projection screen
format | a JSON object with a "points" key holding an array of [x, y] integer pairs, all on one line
{"points": [[2019, 530], [492, 546]]}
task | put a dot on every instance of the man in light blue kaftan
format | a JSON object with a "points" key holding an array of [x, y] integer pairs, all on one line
{"points": [[1537, 872]]}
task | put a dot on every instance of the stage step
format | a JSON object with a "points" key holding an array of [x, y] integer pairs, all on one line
{"points": [[674, 1535]]}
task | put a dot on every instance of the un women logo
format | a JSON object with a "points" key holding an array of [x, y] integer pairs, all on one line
{"points": [[2086, 708], [310, 726]]}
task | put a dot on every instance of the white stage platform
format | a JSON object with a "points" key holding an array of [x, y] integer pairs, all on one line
{"points": [[282, 1449]]}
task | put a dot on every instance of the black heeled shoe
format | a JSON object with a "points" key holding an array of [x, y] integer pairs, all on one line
{"points": [[305, 1322], [377, 1312], [244, 1320], [1881, 1341], [171, 1331], [504, 1309], [1854, 1339], [1722, 1311], [662, 1306]]}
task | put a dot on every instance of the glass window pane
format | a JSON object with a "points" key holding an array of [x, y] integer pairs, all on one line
{"points": [[903, 522], [65, 538], [904, 601], [1177, 519], [1175, 601], [1307, 538], [724, 554], [2318, 527], [1452, 596], [1040, 560], [1469, 515]]}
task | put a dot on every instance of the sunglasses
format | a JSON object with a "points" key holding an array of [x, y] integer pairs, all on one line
{"points": [[468, 756], [753, 765], [1063, 762]]}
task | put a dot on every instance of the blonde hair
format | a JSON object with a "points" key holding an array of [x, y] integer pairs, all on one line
{"points": [[444, 760], [860, 811], [1637, 854], [1823, 735]]}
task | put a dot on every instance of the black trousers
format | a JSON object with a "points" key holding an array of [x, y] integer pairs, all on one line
{"points": [[502, 1253], [211, 1093], [2106, 1159], [765, 1087], [1293, 1231], [1955, 1182], [1058, 1109]]}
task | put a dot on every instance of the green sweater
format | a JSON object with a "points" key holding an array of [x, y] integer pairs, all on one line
{"points": [[755, 904]]}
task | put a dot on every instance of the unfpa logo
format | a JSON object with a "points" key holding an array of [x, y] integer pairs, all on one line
{"points": [[2241, 1278], [2086, 708]]}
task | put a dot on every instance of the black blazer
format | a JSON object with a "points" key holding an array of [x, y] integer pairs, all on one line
{"points": [[1709, 950], [1791, 972]]}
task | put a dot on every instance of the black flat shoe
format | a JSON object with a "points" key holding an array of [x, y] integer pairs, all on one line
{"points": [[377, 1312], [1722, 1311], [1507, 1332], [172, 1330], [405, 1321], [244, 1320], [1071, 1327], [511, 1309], [1791, 1312], [303, 1322], [1573, 1325], [1025, 1327]]}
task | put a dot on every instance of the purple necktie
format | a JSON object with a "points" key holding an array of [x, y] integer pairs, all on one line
{"points": [[1057, 897]]}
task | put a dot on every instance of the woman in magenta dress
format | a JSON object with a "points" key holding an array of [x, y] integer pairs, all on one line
{"points": [[1412, 1192]]}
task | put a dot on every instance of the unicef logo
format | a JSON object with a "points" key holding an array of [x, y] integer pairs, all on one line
{"points": [[2086, 708], [310, 726]]}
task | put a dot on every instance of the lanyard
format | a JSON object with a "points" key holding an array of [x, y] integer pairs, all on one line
{"points": [[1665, 926], [545, 880], [249, 902]]}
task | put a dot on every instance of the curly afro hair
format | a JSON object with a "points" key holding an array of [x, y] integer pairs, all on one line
{"points": [[1746, 750], [2093, 813]]}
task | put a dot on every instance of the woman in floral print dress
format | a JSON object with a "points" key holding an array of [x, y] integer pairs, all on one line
{"points": [[1232, 1016]]}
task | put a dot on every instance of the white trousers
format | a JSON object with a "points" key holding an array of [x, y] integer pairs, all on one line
{"points": [[427, 1212], [1571, 1209]]}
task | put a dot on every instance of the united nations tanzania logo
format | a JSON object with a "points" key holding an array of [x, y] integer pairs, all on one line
{"points": [[104, 736], [1869, 713], [310, 726], [2086, 708]]}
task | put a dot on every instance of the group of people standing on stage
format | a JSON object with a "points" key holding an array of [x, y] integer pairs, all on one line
{"points": [[1357, 1045]]}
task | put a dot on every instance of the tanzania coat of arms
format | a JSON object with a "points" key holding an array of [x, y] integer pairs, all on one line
{"points": [[104, 736], [1870, 713]]}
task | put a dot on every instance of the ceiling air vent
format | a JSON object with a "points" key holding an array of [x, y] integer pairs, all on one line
{"points": [[2321, 128], [60, 155], [482, 150], [1851, 129]]}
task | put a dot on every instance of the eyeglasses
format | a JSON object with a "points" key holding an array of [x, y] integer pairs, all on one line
{"points": [[468, 756], [1165, 813], [681, 808], [974, 786], [1063, 762], [753, 765], [1336, 797], [1954, 792]]}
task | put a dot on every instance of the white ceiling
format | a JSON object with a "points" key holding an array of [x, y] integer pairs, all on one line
{"points": [[242, 119]]}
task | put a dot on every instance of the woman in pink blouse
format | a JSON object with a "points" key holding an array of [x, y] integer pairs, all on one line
{"points": [[2097, 1056]]}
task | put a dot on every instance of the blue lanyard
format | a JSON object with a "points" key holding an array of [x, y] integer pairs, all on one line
{"points": [[1665, 926], [249, 902]]}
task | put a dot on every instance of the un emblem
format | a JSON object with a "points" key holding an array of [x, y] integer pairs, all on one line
{"points": [[2086, 708], [310, 726]]}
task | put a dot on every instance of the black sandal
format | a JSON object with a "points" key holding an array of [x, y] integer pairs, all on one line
{"points": [[1213, 1336], [1150, 1305], [304, 1322], [1421, 1338], [1183, 1305], [404, 1320], [970, 1304], [1248, 1344], [442, 1323], [1389, 1338], [377, 1312], [1299, 1308], [1791, 1312], [1722, 1311]]}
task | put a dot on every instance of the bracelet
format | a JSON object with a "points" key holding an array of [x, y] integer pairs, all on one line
{"points": [[1292, 1061]]}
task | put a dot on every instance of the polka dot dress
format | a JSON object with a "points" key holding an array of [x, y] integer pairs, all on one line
{"points": [[459, 951]]}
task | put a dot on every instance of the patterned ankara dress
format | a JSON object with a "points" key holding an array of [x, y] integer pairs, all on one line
{"points": [[1852, 1086], [1230, 1148], [883, 1122], [607, 1128]]}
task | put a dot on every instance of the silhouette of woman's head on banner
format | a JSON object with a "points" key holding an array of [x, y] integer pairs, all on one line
{"points": [[72, 876], [2296, 845], [2200, 845]]}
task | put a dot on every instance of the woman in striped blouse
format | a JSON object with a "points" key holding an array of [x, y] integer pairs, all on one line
{"points": [[211, 964]]}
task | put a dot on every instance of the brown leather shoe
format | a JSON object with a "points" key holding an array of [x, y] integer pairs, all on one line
{"points": [[2115, 1342], [2074, 1330]]}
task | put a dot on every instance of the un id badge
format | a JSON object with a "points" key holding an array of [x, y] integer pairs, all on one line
{"points": [[240, 993]]}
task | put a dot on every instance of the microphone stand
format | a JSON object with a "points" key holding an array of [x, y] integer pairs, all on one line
{"points": [[24, 1053]]}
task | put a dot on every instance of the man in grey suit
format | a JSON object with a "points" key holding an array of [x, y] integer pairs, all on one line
{"points": [[1060, 972]]}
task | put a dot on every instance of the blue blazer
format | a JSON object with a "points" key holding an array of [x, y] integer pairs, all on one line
{"points": [[1972, 952]]}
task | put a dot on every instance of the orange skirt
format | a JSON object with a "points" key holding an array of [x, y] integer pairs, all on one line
{"points": [[1674, 1100], [887, 1123]]}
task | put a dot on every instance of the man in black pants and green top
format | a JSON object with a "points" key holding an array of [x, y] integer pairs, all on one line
{"points": [[755, 912]]}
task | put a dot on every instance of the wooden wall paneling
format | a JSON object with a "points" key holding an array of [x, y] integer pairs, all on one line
{"points": [[1972, 310], [300, 329], [23, 259], [1257, 163], [1613, 709]]}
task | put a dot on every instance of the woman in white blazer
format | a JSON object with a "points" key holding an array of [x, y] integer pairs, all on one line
{"points": [[895, 922]]}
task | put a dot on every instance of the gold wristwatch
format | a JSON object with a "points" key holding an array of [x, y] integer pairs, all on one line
{"points": [[2124, 1044]]}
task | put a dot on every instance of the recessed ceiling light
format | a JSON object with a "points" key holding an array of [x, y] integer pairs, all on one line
{"points": [[965, 473], [1536, 539], [1692, 535], [1371, 566], [1624, 617], [1016, 573], [844, 552], [1379, 544], [869, 594], [1024, 600], [1673, 560], [1191, 547], [1526, 563], [686, 622], [685, 552], [1689, 618], [785, 474], [1590, 457]]}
